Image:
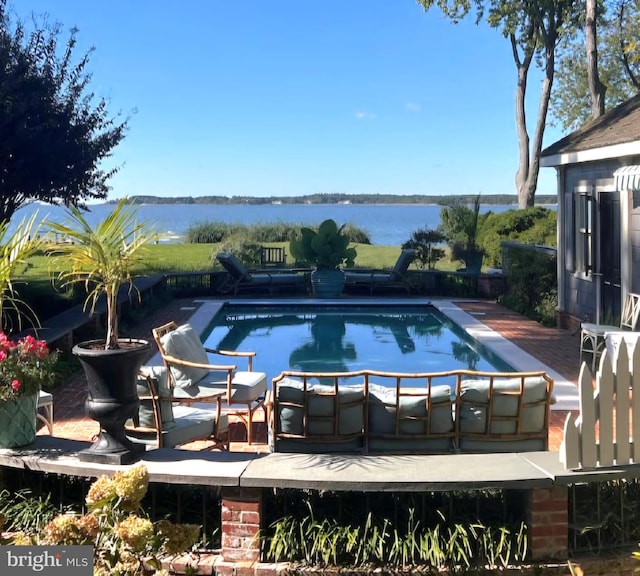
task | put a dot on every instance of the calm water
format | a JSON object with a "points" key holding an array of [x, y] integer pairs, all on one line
{"points": [[341, 338], [385, 224]]}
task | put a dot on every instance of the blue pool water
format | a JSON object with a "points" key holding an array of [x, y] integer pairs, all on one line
{"points": [[340, 338]]}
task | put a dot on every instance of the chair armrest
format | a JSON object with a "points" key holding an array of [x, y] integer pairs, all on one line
{"points": [[238, 353], [173, 360], [154, 396]]}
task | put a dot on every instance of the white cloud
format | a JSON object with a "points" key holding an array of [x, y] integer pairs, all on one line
{"points": [[362, 115], [413, 107]]}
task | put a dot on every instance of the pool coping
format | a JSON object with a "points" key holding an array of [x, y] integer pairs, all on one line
{"points": [[565, 391]]}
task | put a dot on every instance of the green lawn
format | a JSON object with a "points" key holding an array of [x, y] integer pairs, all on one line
{"points": [[197, 257]]}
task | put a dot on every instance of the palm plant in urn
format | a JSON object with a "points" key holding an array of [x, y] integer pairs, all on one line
{"points": [[101, 258], [326, 249]]}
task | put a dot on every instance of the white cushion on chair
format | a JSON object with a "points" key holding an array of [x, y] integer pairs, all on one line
{"points": [[245, 386], [184, 343], [598, 329]]}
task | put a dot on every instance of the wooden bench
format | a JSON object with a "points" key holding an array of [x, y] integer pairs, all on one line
{"points": [[273, 257], [410, 413]]}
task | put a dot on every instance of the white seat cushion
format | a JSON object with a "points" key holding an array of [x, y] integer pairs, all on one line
{"points": [[245, 386], [598, 329]]}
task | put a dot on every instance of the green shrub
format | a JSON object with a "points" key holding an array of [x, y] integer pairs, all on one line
{"points": [[211, 232], [535, 225], [356, 235], [23, 511], [215, 232], [273, 232], [532, 285], [425, 242], [125, 541], [245, 249]]}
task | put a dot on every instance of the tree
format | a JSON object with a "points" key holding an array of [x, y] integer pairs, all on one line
{"points": [[425, 242], [533, 28], [460, 225], [597, 89], [618, 64], [54, 134]]}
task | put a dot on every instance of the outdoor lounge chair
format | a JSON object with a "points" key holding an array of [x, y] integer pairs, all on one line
{"points": [[373, 279], [240, 278], [193, 377], [164, 421], [592, 338]]}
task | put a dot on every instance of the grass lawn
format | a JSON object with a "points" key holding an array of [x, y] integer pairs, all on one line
{"points": [[198, 257]]}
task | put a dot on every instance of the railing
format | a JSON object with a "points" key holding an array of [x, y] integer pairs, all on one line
{"points": [[425, 282]]}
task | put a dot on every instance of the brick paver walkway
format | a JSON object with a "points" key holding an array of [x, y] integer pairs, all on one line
{"points": [[558, 349]]}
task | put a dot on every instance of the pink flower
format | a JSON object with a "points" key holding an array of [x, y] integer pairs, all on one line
{"points": [[15, 384]]}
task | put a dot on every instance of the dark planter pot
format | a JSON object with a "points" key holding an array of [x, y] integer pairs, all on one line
{"points": [[473, 262], [112, 398], [327, 283]]}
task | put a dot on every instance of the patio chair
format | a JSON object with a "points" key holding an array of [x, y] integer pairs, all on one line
{"points": [[240, 278], [592, 337], [164, 421], [193, 377], [394, 279], [45, 403]]}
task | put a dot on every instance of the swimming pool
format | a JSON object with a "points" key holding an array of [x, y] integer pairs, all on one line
{"points": [[344, 338]]}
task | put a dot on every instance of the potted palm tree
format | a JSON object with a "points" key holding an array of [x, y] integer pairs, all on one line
{"points": [[102, 258], [326, 249], [460, 226]]}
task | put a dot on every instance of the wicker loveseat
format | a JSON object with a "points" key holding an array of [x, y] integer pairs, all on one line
{"points": [[409, 413]]}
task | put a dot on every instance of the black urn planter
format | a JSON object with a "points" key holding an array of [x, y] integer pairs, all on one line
{"points": [[327, 283], [112, 397]]}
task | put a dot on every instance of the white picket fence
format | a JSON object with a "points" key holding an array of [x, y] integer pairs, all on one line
{"points": [[609, 421]]}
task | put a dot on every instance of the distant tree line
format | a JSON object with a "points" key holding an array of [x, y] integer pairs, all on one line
{"points": [[502, 199]]}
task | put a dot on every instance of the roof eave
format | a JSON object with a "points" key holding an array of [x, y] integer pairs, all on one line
{"points": [[591, 155]]}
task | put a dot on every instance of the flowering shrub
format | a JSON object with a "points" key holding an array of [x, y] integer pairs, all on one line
{"points": [[25, 366], [126, 543]]}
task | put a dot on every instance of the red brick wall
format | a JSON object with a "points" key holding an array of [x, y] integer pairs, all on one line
{"points": [[241, 510], [549, 523]]}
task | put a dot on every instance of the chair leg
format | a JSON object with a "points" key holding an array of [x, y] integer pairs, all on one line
{"points": [[47, 417], [588, 347], [593, 346], [249, 424]]}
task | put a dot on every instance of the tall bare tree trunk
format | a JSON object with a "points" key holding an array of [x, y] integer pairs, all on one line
{"points": [[522, 175], [596, 88], [536, 148]]}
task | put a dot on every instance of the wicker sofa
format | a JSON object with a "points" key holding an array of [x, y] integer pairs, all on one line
{"points": [[409, 413]]}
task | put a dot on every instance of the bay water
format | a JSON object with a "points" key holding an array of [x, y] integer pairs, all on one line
{"points": [[386, 224]]}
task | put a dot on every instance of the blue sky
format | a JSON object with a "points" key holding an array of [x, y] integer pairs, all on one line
{"points": [[291, 97]]}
